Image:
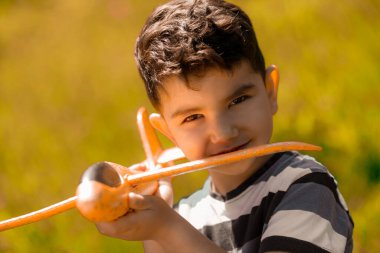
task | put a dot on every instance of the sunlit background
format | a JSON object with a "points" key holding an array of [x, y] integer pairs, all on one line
{"points": [[69, 93]]}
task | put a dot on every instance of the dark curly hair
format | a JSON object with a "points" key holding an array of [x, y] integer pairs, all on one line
{"points": [[187, 37]]}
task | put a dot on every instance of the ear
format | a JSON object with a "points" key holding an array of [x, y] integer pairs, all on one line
{"points": [[272, 78], [159, 123]]}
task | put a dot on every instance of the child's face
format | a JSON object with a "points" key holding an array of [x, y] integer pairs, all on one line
{"points": [[225, 112]]}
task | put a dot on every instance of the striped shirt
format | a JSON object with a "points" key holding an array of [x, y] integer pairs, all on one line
{"points": [[292, 204]]}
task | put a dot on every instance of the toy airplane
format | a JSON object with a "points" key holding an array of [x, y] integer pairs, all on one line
{"points": [[102, 194]]}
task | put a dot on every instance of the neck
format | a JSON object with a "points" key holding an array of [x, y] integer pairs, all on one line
{"points": [[222, 183]]}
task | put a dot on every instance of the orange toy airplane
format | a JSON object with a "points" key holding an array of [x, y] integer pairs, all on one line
{"points": [[102, 194]]}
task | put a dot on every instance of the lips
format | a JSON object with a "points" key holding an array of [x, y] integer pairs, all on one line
{"points": [[239, 147]]}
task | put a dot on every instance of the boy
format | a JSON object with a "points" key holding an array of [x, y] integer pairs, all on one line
{"points": [[205, 74]]}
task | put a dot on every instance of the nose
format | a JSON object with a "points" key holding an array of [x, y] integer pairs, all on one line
{"points": [[222, 130]]}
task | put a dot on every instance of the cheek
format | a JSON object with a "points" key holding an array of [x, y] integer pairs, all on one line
{"points": [[265, 128], [191, 143], [259, 123]]}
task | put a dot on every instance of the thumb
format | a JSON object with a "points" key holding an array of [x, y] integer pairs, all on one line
{"points": [[139, 202], [138, 167]]}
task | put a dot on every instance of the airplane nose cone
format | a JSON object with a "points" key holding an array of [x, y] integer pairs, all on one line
{"points": [[104, 173]]}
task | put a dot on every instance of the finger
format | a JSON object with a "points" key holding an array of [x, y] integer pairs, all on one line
{"points": [[138, 167], [105, 228], [148, 188], [167, 181], [119, 228], [113, 228], [139, 202], [165, 190]]}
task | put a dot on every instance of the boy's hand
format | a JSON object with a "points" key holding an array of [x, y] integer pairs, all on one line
{"points": [[164, 187], [147, 213], [152, 220], [146, 219]]}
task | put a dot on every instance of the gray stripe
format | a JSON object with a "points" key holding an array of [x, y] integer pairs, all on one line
{"points": [[306, 226], [308, 163], [278, 166], [220, 234], [293, 160], [318, 199]]}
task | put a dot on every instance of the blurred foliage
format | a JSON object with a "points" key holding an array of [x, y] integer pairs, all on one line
{"points": [[69, 92]]}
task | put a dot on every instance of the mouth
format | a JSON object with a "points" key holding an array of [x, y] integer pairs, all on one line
{"points": [[239, 147]]}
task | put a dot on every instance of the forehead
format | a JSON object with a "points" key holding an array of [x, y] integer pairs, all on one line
{"points": [[194, 81], [214, 85]]}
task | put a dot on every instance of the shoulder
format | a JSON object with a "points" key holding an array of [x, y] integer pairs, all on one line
{"points": [[289, 169], [302, 173], [192, 201], [310, 213], [298, 165]]}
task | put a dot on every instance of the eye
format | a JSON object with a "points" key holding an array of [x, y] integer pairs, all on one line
{"points": [[239, 100], [192, 118]]}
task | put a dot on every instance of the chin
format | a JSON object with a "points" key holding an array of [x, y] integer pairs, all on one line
{"points": [[235, 169]]}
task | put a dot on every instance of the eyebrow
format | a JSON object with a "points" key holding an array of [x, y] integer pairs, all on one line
{"points": [[184, 111], [239, 91]]}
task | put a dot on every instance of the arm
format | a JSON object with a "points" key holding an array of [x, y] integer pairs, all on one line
{"points": [[154, 221], [178, 234], [164, 191], [152, 247]]}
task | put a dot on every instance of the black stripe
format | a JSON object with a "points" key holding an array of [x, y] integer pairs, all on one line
{"points": [[245, 228], [279, 243], [250, 226]]}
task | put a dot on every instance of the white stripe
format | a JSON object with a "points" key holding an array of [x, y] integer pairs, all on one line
{"points": [[306, 226], [255, 193], [209, 211]]}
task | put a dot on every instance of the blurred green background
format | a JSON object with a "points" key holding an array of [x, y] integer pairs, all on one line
{"points": [[69, 93]]}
